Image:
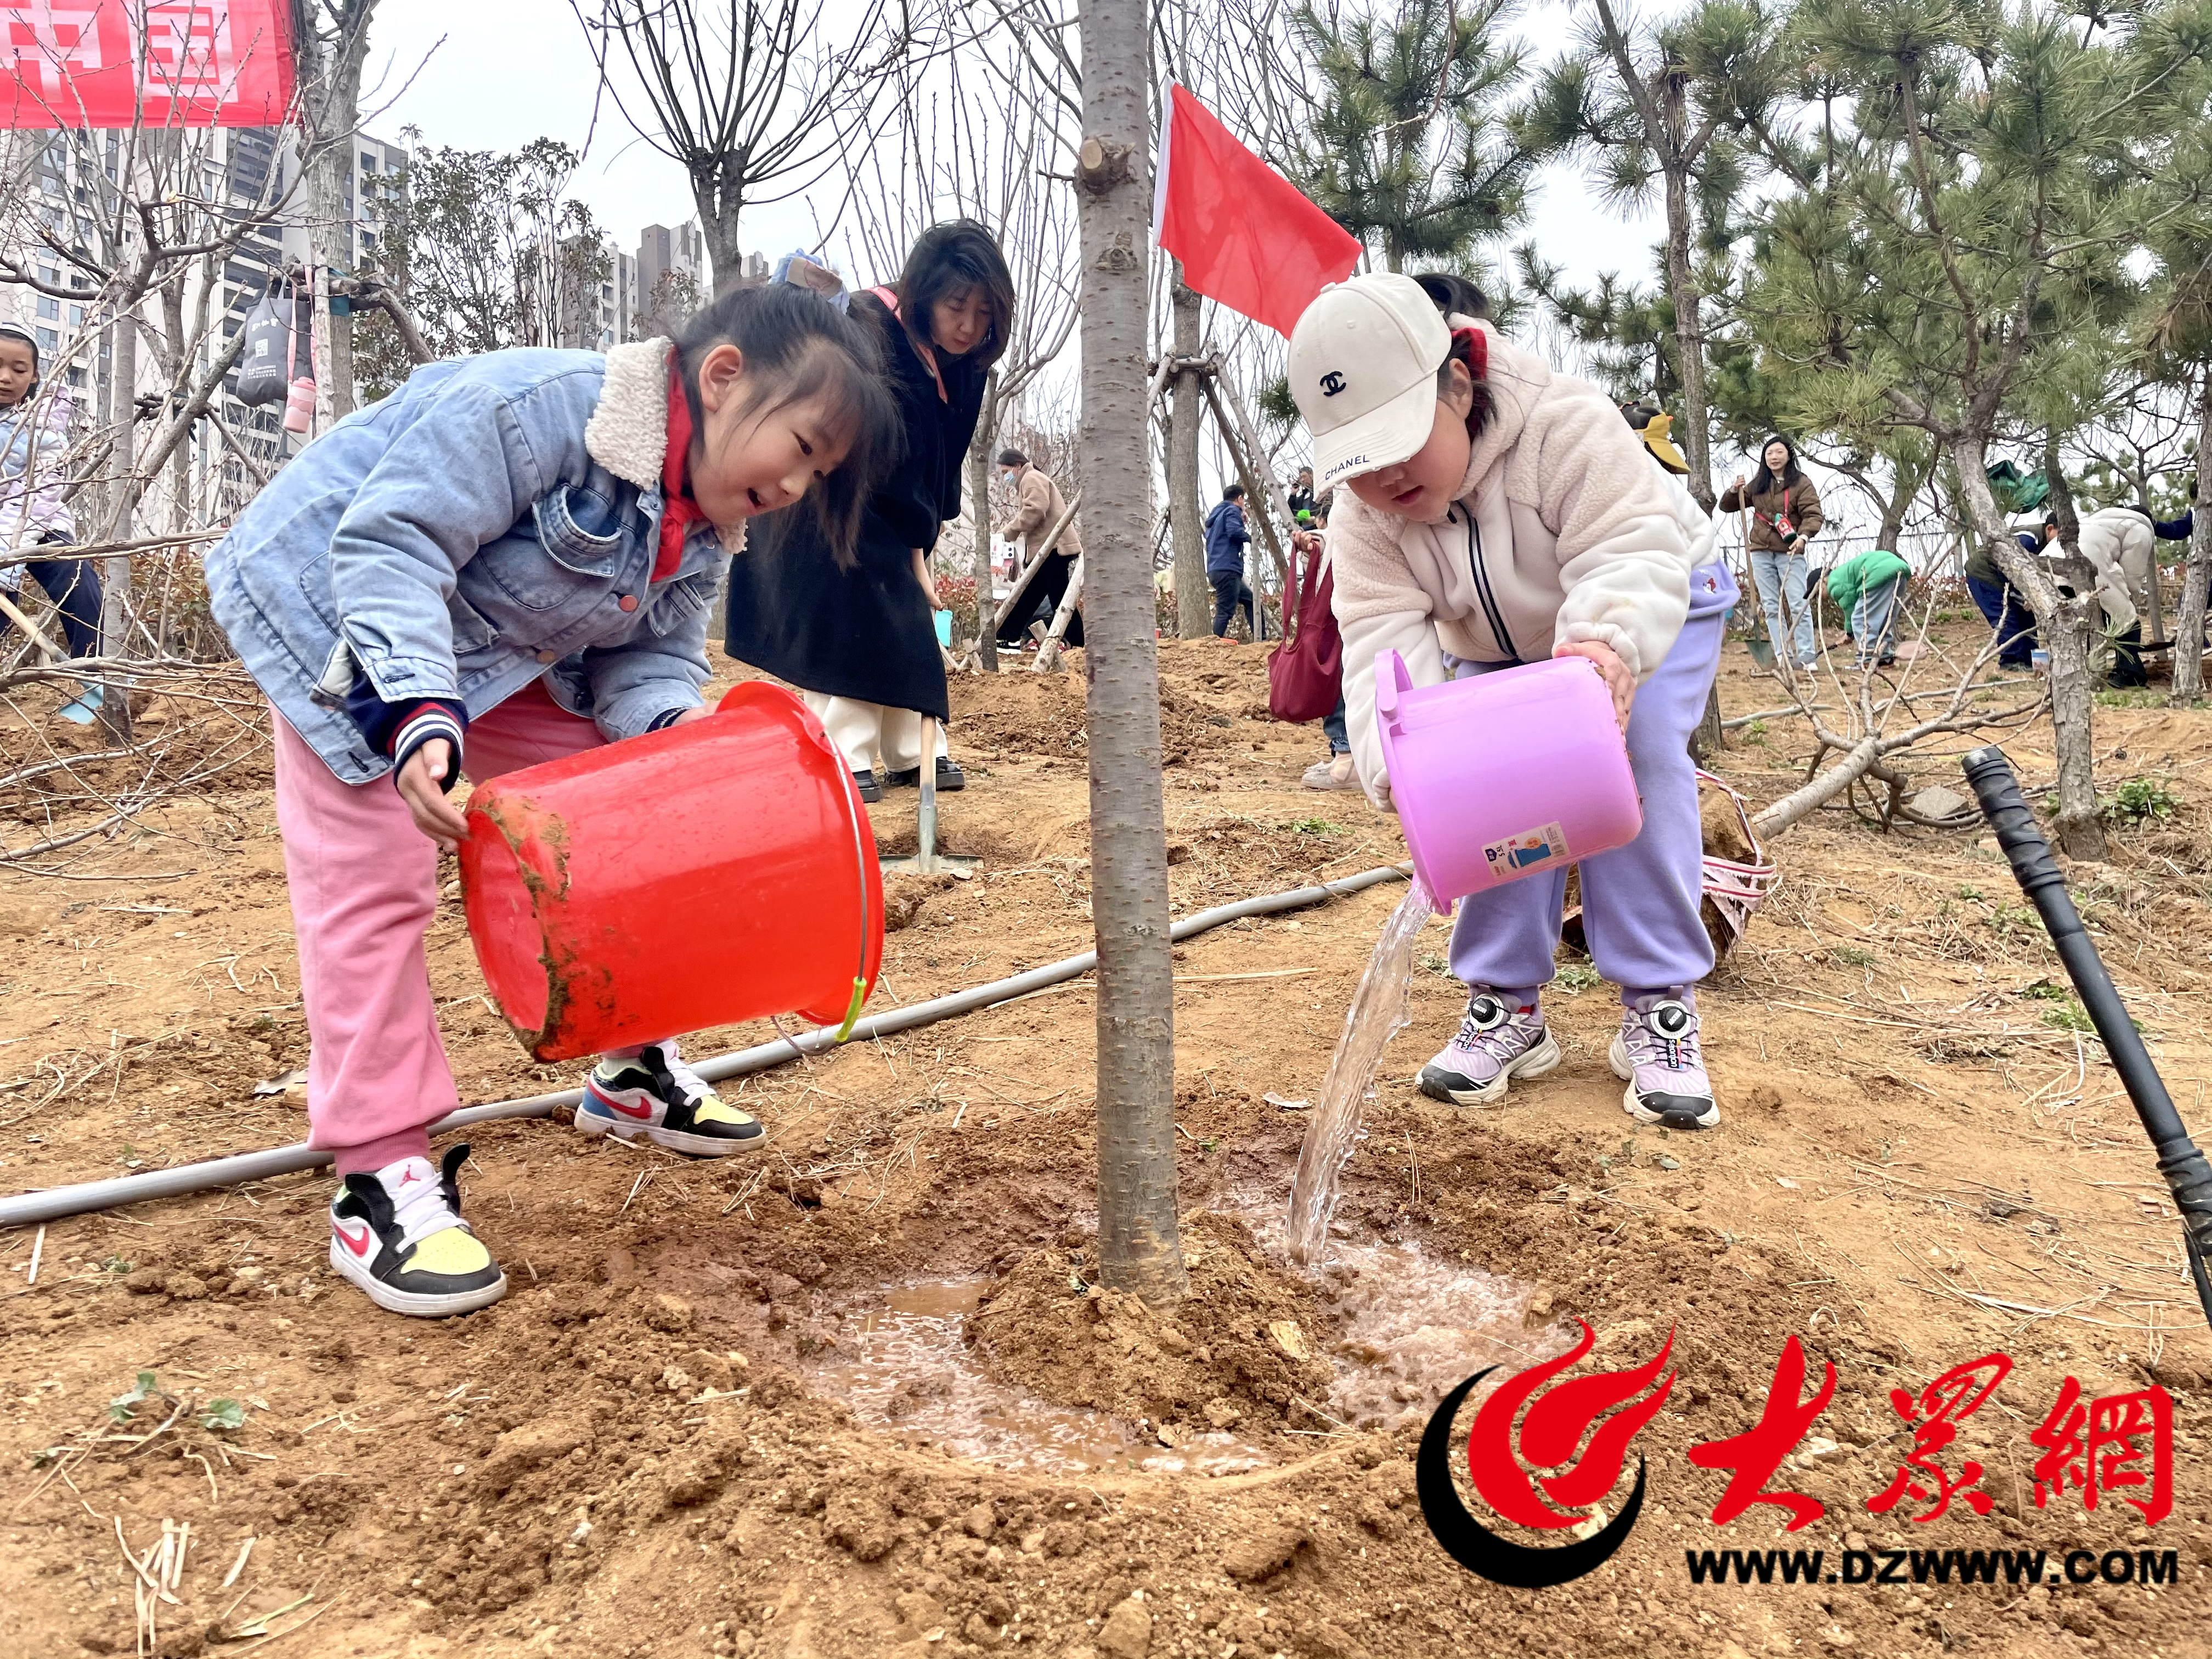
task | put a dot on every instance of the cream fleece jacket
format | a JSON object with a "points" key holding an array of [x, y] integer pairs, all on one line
{"points": [[1038, 510], [1563, 531], [2118, 543]]}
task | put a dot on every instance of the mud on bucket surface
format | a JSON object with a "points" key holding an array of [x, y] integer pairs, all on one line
{"points": [[711, 872], [1044, 1370]]}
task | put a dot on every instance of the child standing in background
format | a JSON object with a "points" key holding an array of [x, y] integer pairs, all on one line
{"points": [[1497, 513], [509, 559], [34, 510], [1785, 515]]}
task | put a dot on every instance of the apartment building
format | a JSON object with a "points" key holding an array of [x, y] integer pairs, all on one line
{"points": [[66, 185], [671, 277]]}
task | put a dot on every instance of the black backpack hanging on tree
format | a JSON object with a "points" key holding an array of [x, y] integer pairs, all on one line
{"points": [[263, 373]]}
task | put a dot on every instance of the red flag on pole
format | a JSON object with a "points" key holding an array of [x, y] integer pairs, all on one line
{"points": [[1246, 236], [155, 63]]}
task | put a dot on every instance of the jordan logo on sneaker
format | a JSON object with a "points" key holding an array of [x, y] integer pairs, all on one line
{"points": [[359, 1246]]}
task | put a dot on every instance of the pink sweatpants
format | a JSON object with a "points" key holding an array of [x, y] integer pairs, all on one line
{"points": [[364, 885]]}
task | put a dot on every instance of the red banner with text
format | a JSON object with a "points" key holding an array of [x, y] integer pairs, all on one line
{"points": [[155, 63]]}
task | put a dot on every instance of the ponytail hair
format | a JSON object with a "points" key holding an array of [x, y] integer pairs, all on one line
{"points": [[798, 348], [1455, 296]]}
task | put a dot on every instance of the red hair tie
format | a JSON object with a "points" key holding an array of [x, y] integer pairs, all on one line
{"points": [[1472, 348]]}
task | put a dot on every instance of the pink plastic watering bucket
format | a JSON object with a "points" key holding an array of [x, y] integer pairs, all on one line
{"points": [[1505, 774]]}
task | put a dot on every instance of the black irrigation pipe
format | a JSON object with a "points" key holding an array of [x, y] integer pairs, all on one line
{"points": [[56, 1201], [2184, 1166]]}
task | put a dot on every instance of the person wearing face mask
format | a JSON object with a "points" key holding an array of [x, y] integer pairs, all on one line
{"points": [[1495, 511], [860, 643], [34, 510], [1038, 507]]}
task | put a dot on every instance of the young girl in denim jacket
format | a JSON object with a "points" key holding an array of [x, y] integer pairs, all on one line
{"points": [[510, 559], [1496, 512]]}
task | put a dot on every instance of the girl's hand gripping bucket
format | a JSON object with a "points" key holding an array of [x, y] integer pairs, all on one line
{"points": [[1504, 774], [718, 870]]}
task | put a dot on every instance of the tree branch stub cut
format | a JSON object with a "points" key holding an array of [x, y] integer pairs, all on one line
{"points": [[1099, 165]]}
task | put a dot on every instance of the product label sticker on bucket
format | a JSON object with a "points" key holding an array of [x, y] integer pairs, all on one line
{"points": [[1545, 844]]}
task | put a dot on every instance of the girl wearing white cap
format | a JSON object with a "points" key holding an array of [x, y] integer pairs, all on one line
{"points": [[1496, 512]]}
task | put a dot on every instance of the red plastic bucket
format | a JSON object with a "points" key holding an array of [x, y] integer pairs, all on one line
{"points": [[715, 872]]}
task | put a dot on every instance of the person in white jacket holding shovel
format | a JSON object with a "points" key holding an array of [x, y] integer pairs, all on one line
{"points": [[1496, 512]]}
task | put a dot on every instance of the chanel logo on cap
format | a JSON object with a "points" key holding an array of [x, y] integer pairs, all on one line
{"points": [[1331, 384]]}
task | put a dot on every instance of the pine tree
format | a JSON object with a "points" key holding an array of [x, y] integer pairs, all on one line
{"points": [[1407, 147], [1653, 108], [2176, 47], [1947, 246]]}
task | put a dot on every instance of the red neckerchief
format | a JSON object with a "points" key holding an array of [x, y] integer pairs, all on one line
{"points": [[1478, 351], [678, 512]]}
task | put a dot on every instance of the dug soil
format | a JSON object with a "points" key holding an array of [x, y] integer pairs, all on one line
{"points": [[1923, 1160]]}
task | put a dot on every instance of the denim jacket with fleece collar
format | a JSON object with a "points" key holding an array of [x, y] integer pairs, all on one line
{"points": [[493, 520]]}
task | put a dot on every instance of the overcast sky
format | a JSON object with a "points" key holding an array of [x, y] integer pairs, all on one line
{"points": [[495, 73]]}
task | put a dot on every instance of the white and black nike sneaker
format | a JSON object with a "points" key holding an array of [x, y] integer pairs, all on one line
{"points": [[656, 1097], [399, 1236]]}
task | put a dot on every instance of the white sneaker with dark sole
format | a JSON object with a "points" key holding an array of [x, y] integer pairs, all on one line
{"points": [[1494, 1045], [1656, 1050], [656, 1097], [398, 1236]]}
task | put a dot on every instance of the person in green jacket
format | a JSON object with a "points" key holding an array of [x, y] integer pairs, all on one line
{"points": [[1865, 588]]}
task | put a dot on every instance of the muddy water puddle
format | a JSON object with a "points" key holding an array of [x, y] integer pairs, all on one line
{"points": [[1403, 1329], [906, 1366]]}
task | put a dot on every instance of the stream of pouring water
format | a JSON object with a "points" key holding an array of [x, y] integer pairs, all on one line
{"points": [[1381, 1008]]}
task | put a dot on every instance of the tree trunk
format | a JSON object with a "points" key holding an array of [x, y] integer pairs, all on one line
{"points": [[2189, 624], [344, 398], [979, 507], [1904, 484], [1689, 312], [1186, 517], [2064, 625], [1139, 1244], [1709, 739], [115, 569], [719, 198], [330, 76]]}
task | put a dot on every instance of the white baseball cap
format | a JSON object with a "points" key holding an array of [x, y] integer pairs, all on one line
{"points": [[1362, 367]]}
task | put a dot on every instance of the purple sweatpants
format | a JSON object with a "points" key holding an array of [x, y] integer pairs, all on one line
{"points": [[1639, 902]]}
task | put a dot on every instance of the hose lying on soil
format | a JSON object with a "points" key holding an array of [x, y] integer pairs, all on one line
{"points": [[56, 1201]]}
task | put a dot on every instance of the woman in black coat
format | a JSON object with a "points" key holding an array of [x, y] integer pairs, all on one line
{"points": [[860, 642]]}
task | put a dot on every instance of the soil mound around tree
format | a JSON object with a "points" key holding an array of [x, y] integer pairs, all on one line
{"points": [[1240, 1354]]}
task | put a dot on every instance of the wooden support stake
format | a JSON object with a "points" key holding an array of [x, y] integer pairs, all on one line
{"points": [[54, 652], [1030, 570], [1251, 481], [1047, 654]]}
